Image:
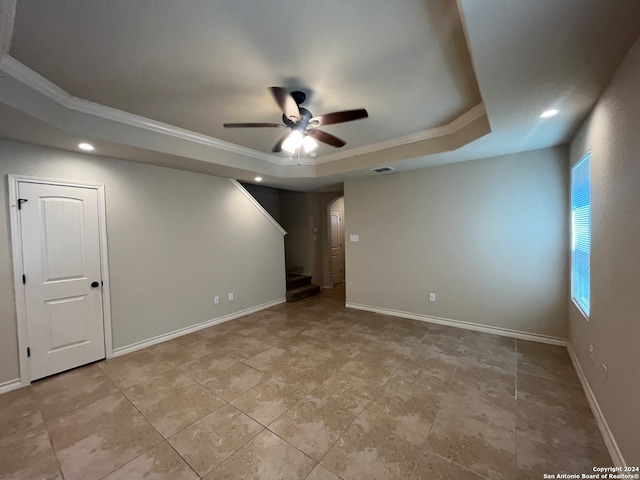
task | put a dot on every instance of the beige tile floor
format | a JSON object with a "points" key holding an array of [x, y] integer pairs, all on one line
{"points": [[308, 390]]}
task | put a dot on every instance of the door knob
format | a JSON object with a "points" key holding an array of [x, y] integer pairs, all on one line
{"points": [[95, 284]]}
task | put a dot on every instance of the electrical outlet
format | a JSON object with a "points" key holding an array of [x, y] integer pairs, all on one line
{"points": [[216, 299], [432, 297], [591, 352], [606, 372], [231, 296]]}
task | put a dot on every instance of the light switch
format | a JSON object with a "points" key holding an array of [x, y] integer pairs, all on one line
{"points": [[354, 238]]}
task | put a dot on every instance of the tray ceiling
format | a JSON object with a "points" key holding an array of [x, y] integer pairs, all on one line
{"points": [[153, 80], [195, 64]]}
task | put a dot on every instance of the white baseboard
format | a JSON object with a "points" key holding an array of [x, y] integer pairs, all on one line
{"points": [[10, 385], [607, 435], [193, 328], [505, 332]]}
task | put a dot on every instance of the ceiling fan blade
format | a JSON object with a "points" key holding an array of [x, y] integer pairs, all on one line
{"points": [[278, 146], [327, 138], [251, 125], [286, 103], [338, 117]]}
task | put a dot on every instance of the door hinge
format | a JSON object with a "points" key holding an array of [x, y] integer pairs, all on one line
{"points": [[24, 279], [21, 201], [28, 351]]}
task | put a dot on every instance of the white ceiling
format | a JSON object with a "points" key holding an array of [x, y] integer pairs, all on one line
{"points": [[426, 70]]}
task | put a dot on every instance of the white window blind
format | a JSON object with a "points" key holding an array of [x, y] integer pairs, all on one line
{"points": [[581, 233]]}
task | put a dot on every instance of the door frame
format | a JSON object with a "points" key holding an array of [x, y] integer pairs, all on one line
{"points": [[341, 248], [327, 280], [17, 260]]}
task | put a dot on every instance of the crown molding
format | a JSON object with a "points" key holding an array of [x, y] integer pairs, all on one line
{"points": [[444, 130], [23, 74], [37, 82], [293, 161], [133, 120]]}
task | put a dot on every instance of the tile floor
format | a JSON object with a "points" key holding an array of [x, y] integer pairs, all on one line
{"points": [[308, 390]]}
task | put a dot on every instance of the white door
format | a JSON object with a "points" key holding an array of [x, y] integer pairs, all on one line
{"points": [[63, 285], [337, 270]]}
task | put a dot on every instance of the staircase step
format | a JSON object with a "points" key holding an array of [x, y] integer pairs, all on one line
{"points": [[295, 294], [296, 280]]}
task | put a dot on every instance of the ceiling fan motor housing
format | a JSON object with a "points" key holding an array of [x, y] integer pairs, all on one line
{"points": [[303, 121], [299, 97]]}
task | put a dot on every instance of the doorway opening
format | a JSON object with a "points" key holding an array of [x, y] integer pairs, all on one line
{"points": [[336, 241]]}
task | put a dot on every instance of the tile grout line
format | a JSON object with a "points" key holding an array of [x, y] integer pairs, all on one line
{"points": [[425, 446], [445, 388], [45, 422], [182, 458], [53, 450], [109, 379], [404, 360], [482, 476], [153, 426], [150, 424], [232, 454], [362, 411], [197, 420], [356, 417], [424, 450], [293, 446], [124, 396]]}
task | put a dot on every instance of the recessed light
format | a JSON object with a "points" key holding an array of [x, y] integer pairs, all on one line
{"points": [[87, 147], [549, 113], [258, 179]]}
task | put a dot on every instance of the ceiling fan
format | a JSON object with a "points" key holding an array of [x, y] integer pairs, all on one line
{"points": [[302, 123]]}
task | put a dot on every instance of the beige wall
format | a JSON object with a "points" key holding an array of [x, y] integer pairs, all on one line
{"points": [[175, 240], [489, 237], [611, 134], [315, 238], [294, 218]]}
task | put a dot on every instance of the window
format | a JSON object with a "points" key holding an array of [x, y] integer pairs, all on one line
{"points": [[581, 233]]}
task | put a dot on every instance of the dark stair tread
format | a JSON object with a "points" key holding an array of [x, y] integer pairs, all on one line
{"points": [[296, 280], [305, 291]]}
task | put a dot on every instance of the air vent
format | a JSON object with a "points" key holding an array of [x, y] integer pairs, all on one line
{"points": [[382, 169]]}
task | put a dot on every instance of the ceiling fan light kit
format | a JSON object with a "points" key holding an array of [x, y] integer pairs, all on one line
{"points": [[293, 141], [309, 144], [304, 132]]}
